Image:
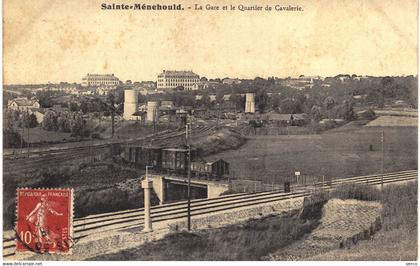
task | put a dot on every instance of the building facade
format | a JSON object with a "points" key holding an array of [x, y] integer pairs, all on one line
{"points": [[173, 79], [23, 104], [100, 80]]}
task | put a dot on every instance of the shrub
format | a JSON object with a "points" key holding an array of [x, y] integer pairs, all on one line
{"points": [[368, 114], [96, 136], [12, 139], [53, 176]]}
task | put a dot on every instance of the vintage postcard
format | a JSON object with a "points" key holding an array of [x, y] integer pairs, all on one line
{"points": [[210, 131]]}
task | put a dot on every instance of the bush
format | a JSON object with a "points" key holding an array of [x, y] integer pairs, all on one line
{"points": [[53, 177], [356, 191], [368, 114], [96, 136], [12, 139]]}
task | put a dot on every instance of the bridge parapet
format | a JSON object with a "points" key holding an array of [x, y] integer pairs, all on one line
{"points": [[214, 189]]}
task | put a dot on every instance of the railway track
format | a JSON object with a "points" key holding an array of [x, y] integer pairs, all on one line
{"points": [[100, 223], [53, 157]]}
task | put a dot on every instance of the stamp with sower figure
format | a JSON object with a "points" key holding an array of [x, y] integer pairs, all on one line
{"points": [[44, 220]]}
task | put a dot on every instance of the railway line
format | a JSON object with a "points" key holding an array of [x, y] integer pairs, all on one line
{"points": [[112, 222], [53, 157]]}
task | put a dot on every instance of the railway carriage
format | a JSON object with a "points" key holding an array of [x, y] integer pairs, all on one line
{"points": [[175, 161], [216, 169]]}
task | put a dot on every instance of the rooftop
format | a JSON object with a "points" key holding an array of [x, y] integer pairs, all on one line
{"points": [[170, 73], [23, 101]]}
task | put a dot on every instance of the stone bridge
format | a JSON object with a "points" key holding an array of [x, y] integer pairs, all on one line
{"points": [[201, 188]]}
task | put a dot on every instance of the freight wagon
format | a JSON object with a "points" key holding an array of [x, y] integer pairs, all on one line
{"points": [[217, 169], [175, 161]]}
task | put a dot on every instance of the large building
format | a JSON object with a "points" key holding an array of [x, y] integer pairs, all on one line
{"points": [[100, 80], [173, 79], [23, 104]]}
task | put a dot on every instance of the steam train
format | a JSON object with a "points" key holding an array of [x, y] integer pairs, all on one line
{"points": [[175, 161]]}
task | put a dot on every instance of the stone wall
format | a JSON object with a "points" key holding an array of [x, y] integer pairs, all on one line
{"points": [[238, 215], [215, 190]]}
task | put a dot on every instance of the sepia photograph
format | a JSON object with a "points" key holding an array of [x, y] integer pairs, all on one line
{"points": [[210, 131]]}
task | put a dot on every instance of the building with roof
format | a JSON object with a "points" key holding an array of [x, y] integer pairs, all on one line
{"points": [[173, 79], [95, 80], [229, 81], [23, 104]]}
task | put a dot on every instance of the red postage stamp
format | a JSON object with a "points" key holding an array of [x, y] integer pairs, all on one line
{"points": [[44, 220]]}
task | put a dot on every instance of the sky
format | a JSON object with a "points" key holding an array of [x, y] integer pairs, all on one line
{"points": [[52, 40]]}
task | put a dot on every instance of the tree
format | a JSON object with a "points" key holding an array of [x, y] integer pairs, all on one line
{"points": [[22, 121], [376, 96], [238, 100], [219, 96], [288, 106], [329, 102], [275, 101], [12, 118], [50, 121], [78, 126], [346, 110], [63, 123], [32, 121], [73, 107], [12, 139], [84, 107], [261, 99], [205, 100], [316, 113], [45, 98]]}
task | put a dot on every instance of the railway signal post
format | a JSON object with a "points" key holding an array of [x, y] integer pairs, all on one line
{"points": [[147, 186]]}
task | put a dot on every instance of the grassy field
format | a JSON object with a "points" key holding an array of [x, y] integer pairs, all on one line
{"points": [[394, 121], [38, 135], [334, 154]]}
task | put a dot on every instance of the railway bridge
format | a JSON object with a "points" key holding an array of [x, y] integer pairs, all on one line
{"points": [[166, 187], [106, 231]]}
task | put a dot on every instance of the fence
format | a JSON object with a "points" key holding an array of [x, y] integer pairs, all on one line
{"points": [[301, 182], [290, 130]]}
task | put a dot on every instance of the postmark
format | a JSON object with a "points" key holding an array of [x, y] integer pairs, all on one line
{"points": [[44, 220]]}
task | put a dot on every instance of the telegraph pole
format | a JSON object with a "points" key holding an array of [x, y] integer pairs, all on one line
{"points": [[28, 140], [21, 140], [382, 161], [189, 179]]}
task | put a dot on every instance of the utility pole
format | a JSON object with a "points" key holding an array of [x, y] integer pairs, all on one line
{"points": [[112, 122], [218, 115], [382, 162], [189, 178], [21, 140], [28, 141]]}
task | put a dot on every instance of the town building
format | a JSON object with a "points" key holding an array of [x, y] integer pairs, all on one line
{"points": [[23, 104], [202, 85], [100, 80], [173, 79], [229, 81]]}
